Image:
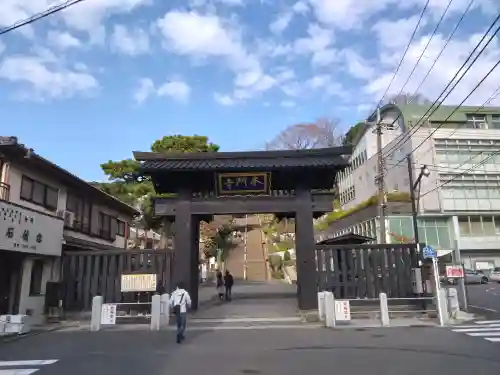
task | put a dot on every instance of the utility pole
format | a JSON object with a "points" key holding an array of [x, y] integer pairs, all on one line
{"points": [[245, 269], [380, 179]]}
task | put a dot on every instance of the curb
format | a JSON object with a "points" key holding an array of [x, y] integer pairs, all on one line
{"points": [[8, 339]]}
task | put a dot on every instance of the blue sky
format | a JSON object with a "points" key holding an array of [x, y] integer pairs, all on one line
{"points": [[107, 77]]}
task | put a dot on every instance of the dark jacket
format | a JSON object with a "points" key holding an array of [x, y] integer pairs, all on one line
{"points": [[228, 280]]}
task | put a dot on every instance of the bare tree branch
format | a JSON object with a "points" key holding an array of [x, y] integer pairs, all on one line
{"points": [[322, 133]]}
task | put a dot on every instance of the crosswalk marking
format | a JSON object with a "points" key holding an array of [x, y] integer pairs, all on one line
{"points": [[488, 330], [36, 362], [24, 371], [8, 367]]}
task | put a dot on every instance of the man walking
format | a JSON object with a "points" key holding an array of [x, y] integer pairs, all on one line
{"points": [[179, 302], [228, 281]]}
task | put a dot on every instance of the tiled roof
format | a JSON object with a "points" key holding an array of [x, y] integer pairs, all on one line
{"points": [[320, 158]]}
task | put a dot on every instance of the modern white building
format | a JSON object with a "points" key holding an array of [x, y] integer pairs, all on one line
{"points": [[44, 211], [459, 201]]}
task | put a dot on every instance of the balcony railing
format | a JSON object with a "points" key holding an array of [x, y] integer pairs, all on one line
{"points": [[4, 191]]}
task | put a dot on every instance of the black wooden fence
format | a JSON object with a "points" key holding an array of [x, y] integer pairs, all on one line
{"points": [[90, 273], [364, 271]]}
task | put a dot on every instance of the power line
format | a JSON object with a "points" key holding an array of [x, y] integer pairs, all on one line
{"points": [[464, 100], [427, 114], [404, 53], [426, 46], [448, 40], [39, 16]]}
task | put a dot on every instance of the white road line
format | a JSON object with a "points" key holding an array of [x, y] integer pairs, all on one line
{"points": [[484, 334], [487, 321], [24, 371], [493, 339], [484, 308], [479, 326], [480, 329], [247, 320], [36, 362], [236, 328]]}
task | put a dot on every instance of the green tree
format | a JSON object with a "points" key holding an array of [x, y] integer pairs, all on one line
{"points": [[127, 184], [353, 132]]}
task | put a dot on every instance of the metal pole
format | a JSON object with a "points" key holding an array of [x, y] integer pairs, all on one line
{"points": [[461, 288], [245, 269], [380, 179], [414, 215]]}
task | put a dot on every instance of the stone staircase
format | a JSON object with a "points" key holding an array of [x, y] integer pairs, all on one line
{"points": [[256, 257]]}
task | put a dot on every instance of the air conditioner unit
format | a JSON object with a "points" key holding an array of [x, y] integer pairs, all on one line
{"points": [[69, 218]]}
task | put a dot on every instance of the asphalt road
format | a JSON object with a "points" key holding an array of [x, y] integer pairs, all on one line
{"points": [[484, 299], [389, 351]]}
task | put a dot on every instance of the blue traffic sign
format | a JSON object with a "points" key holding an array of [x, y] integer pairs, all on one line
{"points": [[429, 252]]}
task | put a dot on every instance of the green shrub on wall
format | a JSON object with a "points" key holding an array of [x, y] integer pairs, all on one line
{"points": [[340, 214]]}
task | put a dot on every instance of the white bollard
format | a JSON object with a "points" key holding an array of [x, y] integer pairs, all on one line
{"points": [[442, 305], [155, 312], [329, 310], [384, 310], [321, 306], [95, 319], [165, 310]]}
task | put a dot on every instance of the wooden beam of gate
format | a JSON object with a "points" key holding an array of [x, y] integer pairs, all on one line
{"points": [[244, 205]]}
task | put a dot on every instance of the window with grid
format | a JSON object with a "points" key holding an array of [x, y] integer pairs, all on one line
{"points": [[38, 193], [495, 122], [476, 121]]}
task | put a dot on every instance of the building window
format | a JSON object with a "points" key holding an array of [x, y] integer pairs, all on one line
{"points": [[476, 122], [120, 231], [39, 194], [82, 210], [105, 225], [36, 277], [495, 122], [479, 226]]}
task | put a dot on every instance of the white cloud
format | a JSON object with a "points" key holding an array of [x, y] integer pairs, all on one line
{"points": [[357, 66], [281, 23], [85, 16], [444, 70], [63, 40], [131, 42], [300, 7], [349, 14], [225, 100], [396, 33], [206, 36], [144, 91], [175, 89], [47, 79]]}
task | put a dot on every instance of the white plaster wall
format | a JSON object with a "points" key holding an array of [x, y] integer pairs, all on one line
{"points": [[16, 173], [36, 303], [14, 180]]}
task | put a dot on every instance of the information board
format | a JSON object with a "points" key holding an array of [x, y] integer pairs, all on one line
{"points": [[342, 310], [108, 314], [145, 282]]}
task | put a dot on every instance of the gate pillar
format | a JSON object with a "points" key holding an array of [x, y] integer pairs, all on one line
{"points": [[304, 250], [186, 246]]}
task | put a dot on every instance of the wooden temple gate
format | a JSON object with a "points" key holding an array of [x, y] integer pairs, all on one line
{"points": [[295, 183]]}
